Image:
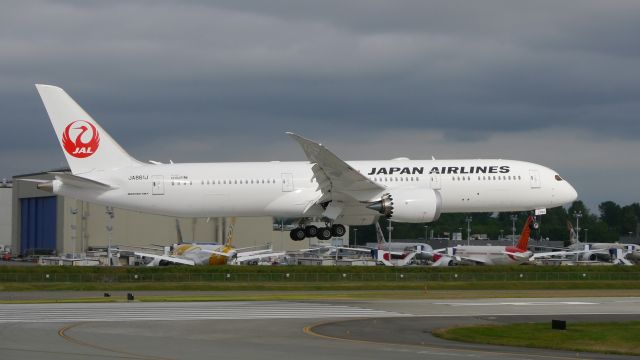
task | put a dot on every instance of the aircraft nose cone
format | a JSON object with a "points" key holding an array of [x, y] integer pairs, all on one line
{"points": [[572, 194]]}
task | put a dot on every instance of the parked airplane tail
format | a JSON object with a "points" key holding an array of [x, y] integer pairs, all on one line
{"points": [[230, 232], [524, 236], [572, 233], [84, 143], [379, 236]]}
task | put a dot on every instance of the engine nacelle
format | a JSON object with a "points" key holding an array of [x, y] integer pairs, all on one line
{"points": [[417, 205]]}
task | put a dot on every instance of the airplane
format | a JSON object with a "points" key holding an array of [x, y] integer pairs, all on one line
{"points": [[622, 254], [325, 187], [487, 255], [390, 254], [209, 253]]}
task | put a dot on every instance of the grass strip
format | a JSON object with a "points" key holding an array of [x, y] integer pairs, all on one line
{"points": [[320, 286], [301, 295], [610, 338]]}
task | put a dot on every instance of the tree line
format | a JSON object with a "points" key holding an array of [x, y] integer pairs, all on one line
{"points": [[612, 222]]}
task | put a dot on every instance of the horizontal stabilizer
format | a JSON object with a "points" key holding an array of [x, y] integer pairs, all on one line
{"points": [[81, 182]]}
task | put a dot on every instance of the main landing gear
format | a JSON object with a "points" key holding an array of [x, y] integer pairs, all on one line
{"points": [[323, 233]]}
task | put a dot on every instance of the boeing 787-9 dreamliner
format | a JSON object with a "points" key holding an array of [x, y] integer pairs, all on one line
{"points": [[324, 188]]}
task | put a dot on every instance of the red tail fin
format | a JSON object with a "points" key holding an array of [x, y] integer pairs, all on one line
{"points": [[524, 236]]}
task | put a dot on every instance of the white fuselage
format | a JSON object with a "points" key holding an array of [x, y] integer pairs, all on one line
{"points": [[288, 189], [492, 255]]}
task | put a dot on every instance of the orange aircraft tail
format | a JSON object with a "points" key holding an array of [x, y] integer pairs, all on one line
{"points": [[524, 236]]}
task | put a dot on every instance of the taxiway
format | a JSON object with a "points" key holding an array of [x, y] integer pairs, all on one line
{"points": [[382, 329]]}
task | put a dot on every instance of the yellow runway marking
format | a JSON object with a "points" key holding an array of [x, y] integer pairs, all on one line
{"points": [[62, 333]]}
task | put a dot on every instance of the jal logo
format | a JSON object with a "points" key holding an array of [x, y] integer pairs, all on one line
{"points": [[80, 139]]}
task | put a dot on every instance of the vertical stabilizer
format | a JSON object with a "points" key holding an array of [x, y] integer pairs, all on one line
{"points": [[84, 143], [572, 233], [524, 236], [379, 236]]}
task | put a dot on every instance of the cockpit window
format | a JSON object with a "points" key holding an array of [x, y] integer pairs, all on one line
{"points": [[558, 177]]}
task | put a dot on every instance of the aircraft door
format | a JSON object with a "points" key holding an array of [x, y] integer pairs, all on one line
{"points": [[157, 185], [287, 182], [534, 177], [434, 180]]}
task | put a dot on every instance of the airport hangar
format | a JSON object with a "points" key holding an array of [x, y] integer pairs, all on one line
{"points": [[42, 222]]}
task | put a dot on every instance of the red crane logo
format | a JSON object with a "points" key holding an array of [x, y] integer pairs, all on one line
{"points": [[78, 147]]}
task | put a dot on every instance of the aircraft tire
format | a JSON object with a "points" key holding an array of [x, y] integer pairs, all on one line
{"points": [[324, 233], [297, 234], [338, 230], [311, 231]]}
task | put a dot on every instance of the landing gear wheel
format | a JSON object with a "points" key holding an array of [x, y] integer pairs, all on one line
{"points": [[338, 230], [324, 233], [297, 234], [311, 231]]}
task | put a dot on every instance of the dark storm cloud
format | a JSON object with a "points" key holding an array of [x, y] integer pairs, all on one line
{"points": [[198, 73]]}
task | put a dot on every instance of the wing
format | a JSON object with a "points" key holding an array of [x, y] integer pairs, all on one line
{"points": [[158, 258], [337, 180], [242, 259], [471, 260]]}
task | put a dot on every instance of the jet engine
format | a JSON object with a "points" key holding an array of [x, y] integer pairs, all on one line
{"points": [[409, 205]]}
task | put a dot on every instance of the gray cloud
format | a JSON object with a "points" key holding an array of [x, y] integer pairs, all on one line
{"points": [[180, 79]]}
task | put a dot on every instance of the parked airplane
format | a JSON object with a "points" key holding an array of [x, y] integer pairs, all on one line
{"points": [[622, 254], [488, 255], [324, 187], [209, 253], [399, 254]]}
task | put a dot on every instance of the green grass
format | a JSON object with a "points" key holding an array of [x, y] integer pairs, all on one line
{"points": [[611, 338], [320, 286]]}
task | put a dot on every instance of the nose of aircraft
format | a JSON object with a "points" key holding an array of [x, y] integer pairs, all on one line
{"points": [[570, 193]]}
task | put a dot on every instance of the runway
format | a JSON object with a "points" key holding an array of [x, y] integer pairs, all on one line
{"points": [[283, 329]]}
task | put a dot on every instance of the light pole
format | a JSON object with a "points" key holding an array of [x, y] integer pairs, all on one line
{"points": [[578, 215], [501, 234], [426, 233], [468, 220], [390, 228], [355, 237], [513, 217], [74, 231], [110, 214]]}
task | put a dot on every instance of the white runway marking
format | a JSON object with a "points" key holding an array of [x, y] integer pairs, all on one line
{"points": [[523, 303], [181, 311]]}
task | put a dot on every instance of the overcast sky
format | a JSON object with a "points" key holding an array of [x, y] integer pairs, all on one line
{"points": [[552, 82]]}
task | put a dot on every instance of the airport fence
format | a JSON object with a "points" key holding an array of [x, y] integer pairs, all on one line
{"points": [[321, 277]]}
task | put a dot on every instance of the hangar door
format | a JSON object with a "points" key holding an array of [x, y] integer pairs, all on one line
{"points": [[37, 225]]}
